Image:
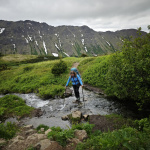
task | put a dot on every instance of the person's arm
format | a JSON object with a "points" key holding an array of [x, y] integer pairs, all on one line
{"points": [[68, 81], [80, 80]]}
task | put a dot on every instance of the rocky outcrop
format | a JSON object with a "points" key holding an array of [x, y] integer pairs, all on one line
{"points": [[30, 37], [81, 135], [76, 115]]}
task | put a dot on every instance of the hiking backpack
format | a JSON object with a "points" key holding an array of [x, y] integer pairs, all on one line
{"points": [[75, 70]]}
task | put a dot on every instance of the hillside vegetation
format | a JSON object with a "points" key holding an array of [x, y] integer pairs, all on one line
{"points": [[125, 74]]}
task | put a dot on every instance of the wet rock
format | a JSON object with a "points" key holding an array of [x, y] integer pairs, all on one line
{"points": [[37, 113], [85, 117], [54, 146], [81, 134], [27, 127], [44, 144], [72, 144], [64, 118], [46, 132], [68, 92], [76, 114]]}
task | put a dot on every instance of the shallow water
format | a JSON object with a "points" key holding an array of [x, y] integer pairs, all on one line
{"points": [[54, 109]]}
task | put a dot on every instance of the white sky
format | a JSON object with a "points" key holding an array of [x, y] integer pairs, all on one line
{"points": [[100, 15]]}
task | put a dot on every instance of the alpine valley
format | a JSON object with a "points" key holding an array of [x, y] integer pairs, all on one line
{"points": [[34, 38]]}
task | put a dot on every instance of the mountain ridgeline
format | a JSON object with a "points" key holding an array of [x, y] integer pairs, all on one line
{"points": [[34, 38]]}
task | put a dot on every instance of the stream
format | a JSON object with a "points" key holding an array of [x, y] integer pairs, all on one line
{"points": [[54, 109]]}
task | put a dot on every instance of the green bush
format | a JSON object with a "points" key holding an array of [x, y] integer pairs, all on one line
{"points": [[59, 68], [51, 91], [127, 138], [8, 131], [42, 126], [84, 55], [13, 105], [61, 136], [129, 73]]}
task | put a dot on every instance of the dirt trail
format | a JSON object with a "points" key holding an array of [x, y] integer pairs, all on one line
{"points": [[75, 65]]}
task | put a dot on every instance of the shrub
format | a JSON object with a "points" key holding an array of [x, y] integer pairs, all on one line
{"points": [[42, 126], [61, 136], [84, 55], [8, 131], [59, 68]]}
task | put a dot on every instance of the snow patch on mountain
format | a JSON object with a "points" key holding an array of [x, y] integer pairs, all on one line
{"points": [[45, 47], [30, 38], [85, 49], [74, 35], [14, 46], [55, 54], [26, 40], [57, 46], [2, 30], [36, 43], [66, 54], [82, 40], [81, 35], [108, 43]]}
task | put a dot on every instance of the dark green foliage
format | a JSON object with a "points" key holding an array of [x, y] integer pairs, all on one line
{"points": [[84, 55], [61, 136], [129, 73], [42, 126], [8, 131], [123, 139], [12, 105], [59, 68], [85, 126]]}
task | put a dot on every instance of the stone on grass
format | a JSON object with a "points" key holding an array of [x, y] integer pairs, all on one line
{"points": [[46, 132], [81, 134], [76, 114], [42, 129], [64, 118]]}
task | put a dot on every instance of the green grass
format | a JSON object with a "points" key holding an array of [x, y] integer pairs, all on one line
{"points": [[35, 77], [12, 105], [8, 131]]}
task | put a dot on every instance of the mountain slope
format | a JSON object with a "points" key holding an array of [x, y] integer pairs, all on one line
{"points": [[30, 37]]}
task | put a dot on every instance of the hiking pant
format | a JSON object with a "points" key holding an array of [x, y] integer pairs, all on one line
{"points": [[76, 91]]}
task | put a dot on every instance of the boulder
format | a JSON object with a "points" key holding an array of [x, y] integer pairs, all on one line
{"points": [[46, 132], [37, 146], [44, 144], [27, 127], [29, 132], [81, 134], [72, 144], [64, 118], [76, 115], [41, 136], [31, 140], [85, 117], [68, 92], [54, 146]]}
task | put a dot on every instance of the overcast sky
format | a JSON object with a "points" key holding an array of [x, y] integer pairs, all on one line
{"points": [[101, 15]]}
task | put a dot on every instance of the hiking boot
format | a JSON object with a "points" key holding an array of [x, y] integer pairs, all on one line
{"points": [[77, 100]]}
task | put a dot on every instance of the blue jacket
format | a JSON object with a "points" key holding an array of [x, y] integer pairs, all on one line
{"points": [[75, 80]]}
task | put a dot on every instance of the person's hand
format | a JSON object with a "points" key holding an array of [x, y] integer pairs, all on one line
{"points": [[82, 86], [65, 87]]}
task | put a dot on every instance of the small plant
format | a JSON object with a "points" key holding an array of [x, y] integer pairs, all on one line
{"points": [[42, 126], [59, 68], [84, 55], [8, 131], [61, 136]]}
